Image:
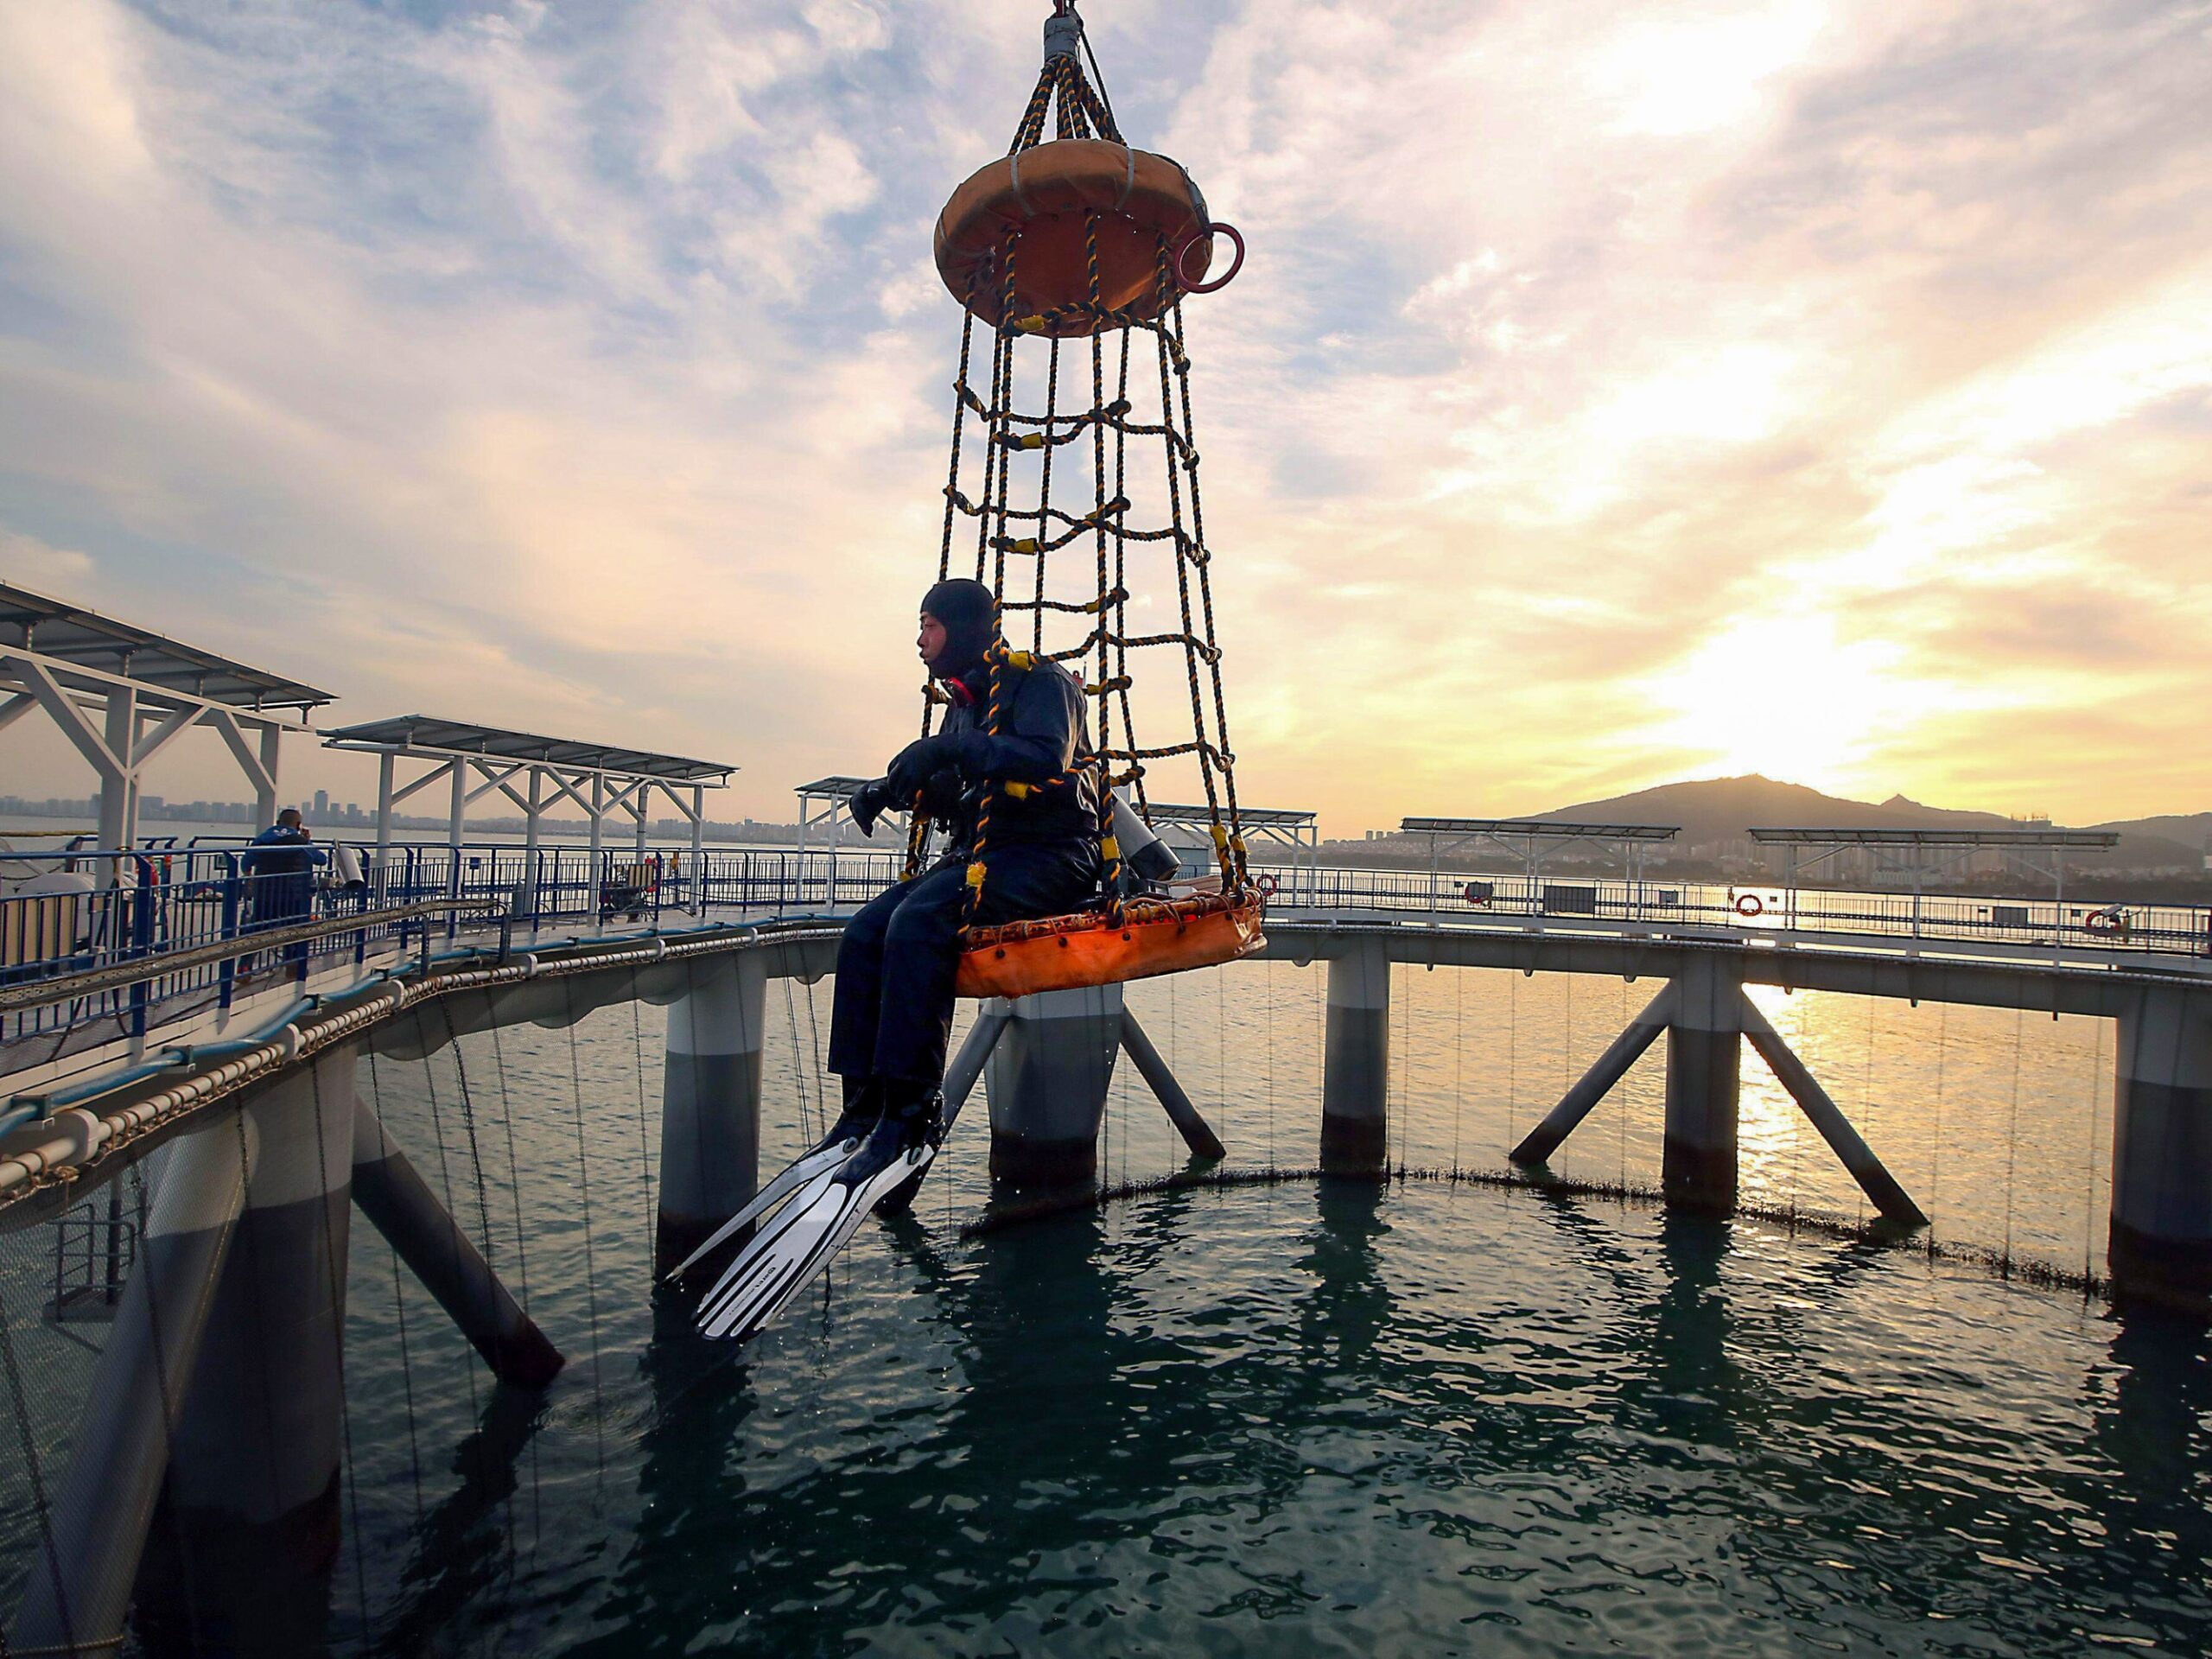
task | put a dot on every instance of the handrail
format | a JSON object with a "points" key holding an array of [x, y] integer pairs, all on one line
{"points": [[45, 993], [69, 1145]]}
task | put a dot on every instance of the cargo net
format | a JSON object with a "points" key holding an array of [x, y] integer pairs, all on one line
{"points": [[1068, 508]]}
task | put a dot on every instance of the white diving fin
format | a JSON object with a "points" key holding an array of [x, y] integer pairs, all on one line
{"points": [[783, 1258]]}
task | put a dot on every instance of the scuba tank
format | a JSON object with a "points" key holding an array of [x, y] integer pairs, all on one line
{"points": [[1145, 854]]}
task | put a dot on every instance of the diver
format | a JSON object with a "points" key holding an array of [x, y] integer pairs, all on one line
{"points": [[899, 958], [892, 1012]]}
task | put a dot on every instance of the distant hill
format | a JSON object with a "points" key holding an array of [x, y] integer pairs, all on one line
{"points": [[1725, 808]]}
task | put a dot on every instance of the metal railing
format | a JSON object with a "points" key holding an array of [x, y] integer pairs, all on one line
{"points": [[178, 907], [1756, 911]]}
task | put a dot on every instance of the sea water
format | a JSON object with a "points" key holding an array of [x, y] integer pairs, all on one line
{"points": [[1424, 1417]]}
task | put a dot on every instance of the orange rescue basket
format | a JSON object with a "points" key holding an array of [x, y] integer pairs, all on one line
{"points": [[1157, 936]]}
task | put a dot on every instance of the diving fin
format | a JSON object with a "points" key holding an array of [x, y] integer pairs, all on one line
{"points": [[783, 1259], [843, 1140]]}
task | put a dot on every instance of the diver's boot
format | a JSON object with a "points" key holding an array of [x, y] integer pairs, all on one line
{"points": [[863, 1107], [920, 1118]]}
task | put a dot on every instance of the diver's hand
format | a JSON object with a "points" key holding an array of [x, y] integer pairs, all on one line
{"points": [[909, 774], [867, 805]]}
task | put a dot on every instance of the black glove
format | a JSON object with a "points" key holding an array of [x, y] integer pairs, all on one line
{"points": [[867, 805], [909, 774]]}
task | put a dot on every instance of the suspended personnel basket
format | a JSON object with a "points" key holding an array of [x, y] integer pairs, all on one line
{"points": [[1070, 251]]}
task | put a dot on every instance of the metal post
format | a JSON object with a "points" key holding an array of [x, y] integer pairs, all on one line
{"points": [[385, 763], [1356, 1063], [120, 1448], [116, 789], [1047, 1081], [529, 844], [596, 881], [265, 800], [710, 1104], [454, 814], [698, 849]]}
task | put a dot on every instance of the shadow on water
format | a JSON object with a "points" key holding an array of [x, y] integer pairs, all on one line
{"points": [[1061, 1397]]}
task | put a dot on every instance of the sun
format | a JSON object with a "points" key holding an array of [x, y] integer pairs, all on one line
{"points": [[1782, 696]]}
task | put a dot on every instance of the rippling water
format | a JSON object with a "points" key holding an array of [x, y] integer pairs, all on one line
{"points": [[1431, 1418], [1426, 1418]]}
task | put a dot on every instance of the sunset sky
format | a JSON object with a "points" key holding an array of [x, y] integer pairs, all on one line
{"points": [[1616, 392]]}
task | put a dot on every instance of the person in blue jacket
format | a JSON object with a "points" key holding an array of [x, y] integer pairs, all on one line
{"points": [[891, 1016], [280, 868]]}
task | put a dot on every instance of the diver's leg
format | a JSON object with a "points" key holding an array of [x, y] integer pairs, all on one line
{"points": [[921, 958], [859, 990]]}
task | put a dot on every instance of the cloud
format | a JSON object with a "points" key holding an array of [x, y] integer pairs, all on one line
{"points": [[590, 371]]}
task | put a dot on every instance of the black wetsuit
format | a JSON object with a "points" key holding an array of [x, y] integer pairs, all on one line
{"points": [[891, 1017]]}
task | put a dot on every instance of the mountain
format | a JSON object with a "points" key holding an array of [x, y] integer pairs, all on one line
{"points": [[1724, 809]]}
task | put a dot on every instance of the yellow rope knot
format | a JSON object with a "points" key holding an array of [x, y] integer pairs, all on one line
{"points": [[975, 875]]}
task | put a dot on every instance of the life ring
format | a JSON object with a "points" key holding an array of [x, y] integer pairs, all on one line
{"points": [[1268, 885], [1480, 893], [1750, 903], [1038, 206], [2111, 922]]}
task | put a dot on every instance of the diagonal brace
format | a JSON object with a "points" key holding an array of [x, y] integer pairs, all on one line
{"points": [[1613, 1066], [1873, 1177]]}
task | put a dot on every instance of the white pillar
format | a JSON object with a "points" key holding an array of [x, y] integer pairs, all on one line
{"points": [[711, 1104], [1048, 1079], [2160, 1247], [116, 790], [1355, 1061], [1704, 1071], [529, 830], [459, 807], [385, 764]]}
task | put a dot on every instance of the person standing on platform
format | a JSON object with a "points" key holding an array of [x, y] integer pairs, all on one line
{"points": [[279, 866]]}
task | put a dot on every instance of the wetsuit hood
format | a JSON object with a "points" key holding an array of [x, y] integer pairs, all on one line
{"points": [[970, 615]]}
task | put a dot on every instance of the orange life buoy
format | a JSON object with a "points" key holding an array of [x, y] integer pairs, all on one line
{"points": [[1063, 952], [1750, 905], [1038, 206]]}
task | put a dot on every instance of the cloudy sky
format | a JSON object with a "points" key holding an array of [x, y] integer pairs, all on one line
{"points": [[1617, 391]]}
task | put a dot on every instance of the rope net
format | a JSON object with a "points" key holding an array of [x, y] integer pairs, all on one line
{"points": [[1077, 500]]}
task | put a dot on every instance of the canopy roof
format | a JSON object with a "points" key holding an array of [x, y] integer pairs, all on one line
{"points": [[1253, 817], [80, 639], [1543, 827], [1938, 837], [422, 733]]}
